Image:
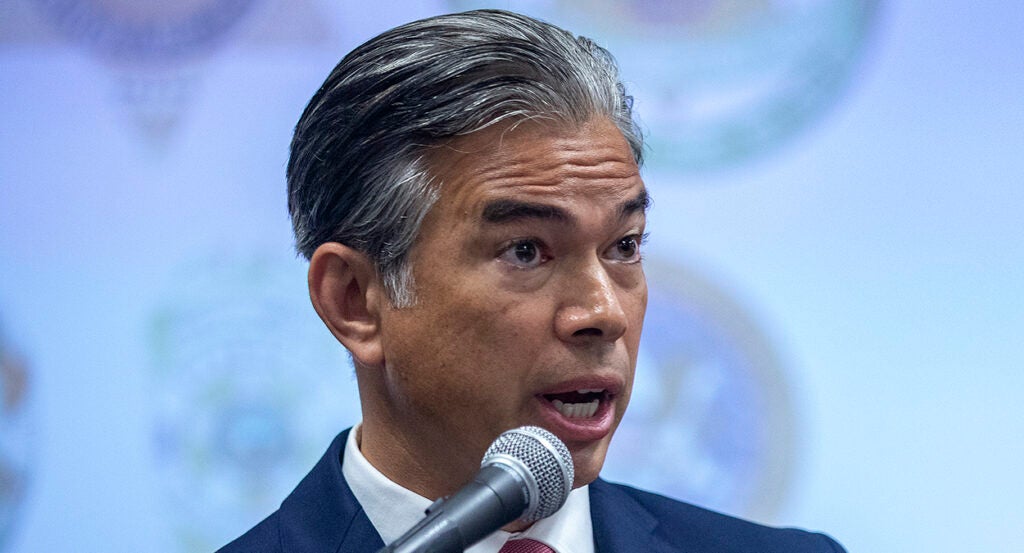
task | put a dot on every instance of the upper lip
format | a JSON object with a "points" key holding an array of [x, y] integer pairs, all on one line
{"points": [[612, 385]]}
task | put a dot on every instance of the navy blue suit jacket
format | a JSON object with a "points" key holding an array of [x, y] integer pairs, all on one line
{"points": [[322, 516]]}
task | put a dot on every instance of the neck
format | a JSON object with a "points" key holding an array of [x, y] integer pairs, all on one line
{"points": [[512, 527], [431, 472]]}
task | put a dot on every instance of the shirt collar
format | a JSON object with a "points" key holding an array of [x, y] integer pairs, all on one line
{"points": [[393, 509]]}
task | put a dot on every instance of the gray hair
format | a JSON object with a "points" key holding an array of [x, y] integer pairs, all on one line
{"points": [[357, 172]]}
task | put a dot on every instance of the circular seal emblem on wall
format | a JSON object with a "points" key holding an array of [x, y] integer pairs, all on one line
{"points": [[719, 82], [710, 420], [146, 31], [249, 389], [153, 48]]}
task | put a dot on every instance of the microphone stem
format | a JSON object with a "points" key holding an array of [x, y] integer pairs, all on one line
{"points": [[454, 523]]}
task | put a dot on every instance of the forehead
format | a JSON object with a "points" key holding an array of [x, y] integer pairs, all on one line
{"points": [[590, 163]]}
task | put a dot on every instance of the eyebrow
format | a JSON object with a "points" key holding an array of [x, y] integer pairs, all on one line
{"points": [[640, 203], [505, 210]]}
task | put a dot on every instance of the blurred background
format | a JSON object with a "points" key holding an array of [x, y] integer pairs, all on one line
{"points": [[836, 264]]}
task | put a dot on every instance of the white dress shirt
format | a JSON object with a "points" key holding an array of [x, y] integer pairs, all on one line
{"points": [[393, 509]]}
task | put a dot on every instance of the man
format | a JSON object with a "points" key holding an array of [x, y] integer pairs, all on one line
{"points": [[467, 191]]}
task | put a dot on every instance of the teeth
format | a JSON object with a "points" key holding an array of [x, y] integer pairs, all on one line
{"points": [[589, 390], [576, 410]]}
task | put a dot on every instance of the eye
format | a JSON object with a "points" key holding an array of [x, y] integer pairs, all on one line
{"points": [[525, 253], [627, 249]]}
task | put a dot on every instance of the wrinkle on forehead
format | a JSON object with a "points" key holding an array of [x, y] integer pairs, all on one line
{"points": [[536, 158], [566, 157]]}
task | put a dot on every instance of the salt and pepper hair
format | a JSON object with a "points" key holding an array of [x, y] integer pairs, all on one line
{"points": [[358, 173]]}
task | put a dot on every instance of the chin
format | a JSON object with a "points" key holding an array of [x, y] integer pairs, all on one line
{"points": [[587, 463]]}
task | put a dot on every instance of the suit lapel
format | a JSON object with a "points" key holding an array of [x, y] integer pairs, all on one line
{"points": [[322, 515], [621, 525]]}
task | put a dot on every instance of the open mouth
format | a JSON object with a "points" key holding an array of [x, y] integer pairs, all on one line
{"points": [[578, 404]]}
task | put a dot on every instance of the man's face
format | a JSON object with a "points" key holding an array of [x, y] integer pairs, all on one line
{"points": [[530, 298]]}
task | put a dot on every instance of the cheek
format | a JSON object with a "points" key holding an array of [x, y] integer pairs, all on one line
{"points": [[470, 350], [638, 308], [491, 345], [478, 316]]}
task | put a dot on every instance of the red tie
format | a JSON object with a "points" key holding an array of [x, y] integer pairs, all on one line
{"points": [[525, 546]]}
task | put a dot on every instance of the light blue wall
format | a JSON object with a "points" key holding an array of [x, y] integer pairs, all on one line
{"points": [[834, 338]]}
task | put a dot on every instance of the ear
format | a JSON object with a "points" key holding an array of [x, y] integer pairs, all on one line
{"points": [[347, 294]]}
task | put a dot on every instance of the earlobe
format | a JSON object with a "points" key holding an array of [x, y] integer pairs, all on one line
{"points": [[346, 293]]}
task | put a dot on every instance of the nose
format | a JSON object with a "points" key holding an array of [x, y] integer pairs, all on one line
{"points": [[591, 309]]}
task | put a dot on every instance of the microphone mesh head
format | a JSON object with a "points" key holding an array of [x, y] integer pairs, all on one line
{"points": [[546, 459]]}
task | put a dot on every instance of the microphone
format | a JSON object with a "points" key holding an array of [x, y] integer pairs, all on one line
{"points": [[526, 475]]}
